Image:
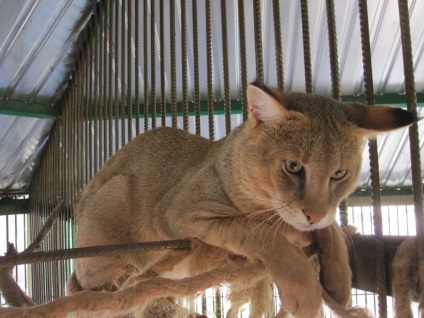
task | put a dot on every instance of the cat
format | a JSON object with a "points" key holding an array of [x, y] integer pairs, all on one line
{"points": [[287, 167], [407, 278]]}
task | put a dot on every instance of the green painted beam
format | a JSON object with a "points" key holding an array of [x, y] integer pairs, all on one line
{"points": [[23, 109], [13, 206]]}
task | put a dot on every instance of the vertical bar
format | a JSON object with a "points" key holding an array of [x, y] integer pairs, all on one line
{"points": [[91, 102], [110, 74], [209, 69], [87, 105], [258, 40], [101, 76], [116, 62], [173, 65], [218, 303], [96, 89], [334, 56], [306, 46], [146, 65], [152, 63], [243, 58], [196, 68], [278, 44], [184, 62], [411, 99], [105, 86], [123, 84], [374, 165], [162, 64], [137, 67], [226, 70], [129, 68]]}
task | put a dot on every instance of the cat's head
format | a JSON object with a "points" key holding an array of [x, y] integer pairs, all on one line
{"points": [[301, 154]]}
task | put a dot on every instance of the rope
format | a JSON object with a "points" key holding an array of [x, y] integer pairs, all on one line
{"points": [[123, 84], [278, 45], [374, 165], [129, 68], [116, 44], [306, 46], [82, 252], [110, 78]]}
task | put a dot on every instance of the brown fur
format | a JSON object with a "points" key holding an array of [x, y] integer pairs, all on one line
{"points": [[407, 279], [234, 194]]}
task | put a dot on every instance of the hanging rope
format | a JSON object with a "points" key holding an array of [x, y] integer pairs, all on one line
{"points": [[209, 69], [278, 44], [226, 67]]}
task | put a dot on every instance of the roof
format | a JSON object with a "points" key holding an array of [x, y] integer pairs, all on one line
{"points": [[39, 45]]}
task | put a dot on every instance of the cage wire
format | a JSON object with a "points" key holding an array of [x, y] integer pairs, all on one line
{"points": [[136, 70]]}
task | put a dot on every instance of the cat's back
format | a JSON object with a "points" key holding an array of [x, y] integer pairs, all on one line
{"points": [[160, 153]]}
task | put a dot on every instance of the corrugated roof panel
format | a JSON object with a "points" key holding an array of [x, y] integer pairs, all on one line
{"points": [[21, 140]]}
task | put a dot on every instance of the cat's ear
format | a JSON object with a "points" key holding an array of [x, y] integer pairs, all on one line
{"points": [[263, 107], [379, 118]]}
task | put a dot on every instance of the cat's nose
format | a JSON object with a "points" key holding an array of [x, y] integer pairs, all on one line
{"points": [[313, 217]]}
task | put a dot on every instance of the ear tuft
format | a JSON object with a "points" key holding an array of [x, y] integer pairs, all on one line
{"points": [[379, 118], [263, 106]]}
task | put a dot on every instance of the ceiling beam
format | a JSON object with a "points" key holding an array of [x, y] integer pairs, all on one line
{"points": [[23, 109]]}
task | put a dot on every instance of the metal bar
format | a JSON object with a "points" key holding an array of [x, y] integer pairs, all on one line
{"points": [[278, 44], [306, 46], [137, 67], [129, 68], [209, 69], [196, 68], [146, 65], [258, 40], [110, 29], [116, 61], [334, 58], [226, 70], [96, 89], [101, 75], [374, 164], [184, 62], [411, 99], [162, 64], [123, 84], [92, 251], [173, 65], [243, 58], [153, 63]]}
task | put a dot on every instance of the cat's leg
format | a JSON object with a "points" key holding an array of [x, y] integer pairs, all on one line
{"points": [[336, 275], [299, 290]]}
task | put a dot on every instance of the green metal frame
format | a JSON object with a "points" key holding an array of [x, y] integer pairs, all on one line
{"points": [[22, 108]]}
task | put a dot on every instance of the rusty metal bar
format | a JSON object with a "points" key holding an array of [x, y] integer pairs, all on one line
{"points": [[209, 69], [278, 44], [184, 62], [153, 62], [162, 64], [110, 76], [334, 55], [137, 67], [146, 65], [173, 65], [306, 46], [116, 61], [226, 67], [196, 67], [243, 58], [258, 40], [123, 68], [129, 68]]}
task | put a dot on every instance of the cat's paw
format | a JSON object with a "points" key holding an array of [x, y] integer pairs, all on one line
{"points": [[338, 290], [302, 299]]}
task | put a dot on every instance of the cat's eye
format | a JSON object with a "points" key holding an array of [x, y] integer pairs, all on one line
{"points": [[339, 174], [293, 166]]}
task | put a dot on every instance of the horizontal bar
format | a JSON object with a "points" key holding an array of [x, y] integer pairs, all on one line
{"points": [[91, 251], [23, 109], [10, 206]]}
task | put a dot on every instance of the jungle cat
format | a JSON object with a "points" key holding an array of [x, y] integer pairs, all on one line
{"points": [[288, 166]]}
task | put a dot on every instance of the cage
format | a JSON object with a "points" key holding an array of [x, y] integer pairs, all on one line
{"points": [[83, 78]]}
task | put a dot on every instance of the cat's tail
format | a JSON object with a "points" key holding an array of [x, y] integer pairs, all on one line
{"points": [[343, 312], [72, 285]]}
